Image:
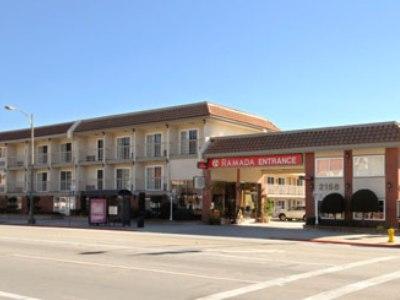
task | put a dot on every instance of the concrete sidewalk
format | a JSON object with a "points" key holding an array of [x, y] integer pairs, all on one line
{"points": [[288, 231]]}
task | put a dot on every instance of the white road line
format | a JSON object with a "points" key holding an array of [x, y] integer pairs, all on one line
{"points": [[355, 287], [15, 296], [145, 269], [291, 278]]}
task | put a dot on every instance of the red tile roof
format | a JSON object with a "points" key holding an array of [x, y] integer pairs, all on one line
{"points": [[375, 133], [41, 131], [201, 109]]}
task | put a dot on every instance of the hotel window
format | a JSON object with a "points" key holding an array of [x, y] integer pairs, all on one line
{"points": [[3, 152], [65, 180], [270, 180], [100, 149], [41, 182], [154, 178], [188, 141], [369, 166], [281, 181], [122, 179], [42, 154], [153, 145], [329, 167], [99, 179], [123, 147], [66, 152]]}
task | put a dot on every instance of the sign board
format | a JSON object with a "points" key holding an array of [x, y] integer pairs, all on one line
{"points": [[202, 165], [256, 161], [113, 210], [98, 211]]}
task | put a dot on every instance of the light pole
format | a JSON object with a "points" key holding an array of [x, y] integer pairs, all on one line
{"points": [[31, 219]]}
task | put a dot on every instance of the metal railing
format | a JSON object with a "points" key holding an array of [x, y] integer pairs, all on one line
{"points": [[65, 185], [64, 157], [42, 186], [123, 184], [16, 187], [94, 184], [41, 158], [16, 161], [276, 189], [92, 155], [186, 148]]}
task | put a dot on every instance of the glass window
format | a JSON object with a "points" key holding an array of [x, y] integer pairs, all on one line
{"points": [[100, 176], [329, 167], [123, 147], [281, 181], [153, 145], [100, 149], [189, 141], [123, 179], [373, 216], [3, 152], [369, 165], [270, 180], [154, 178], [65, 180]]}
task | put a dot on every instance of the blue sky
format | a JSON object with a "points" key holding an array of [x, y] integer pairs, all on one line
{"points": [[299, 63]]}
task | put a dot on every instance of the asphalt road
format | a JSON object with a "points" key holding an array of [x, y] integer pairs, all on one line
{"points": [[55, 263]]}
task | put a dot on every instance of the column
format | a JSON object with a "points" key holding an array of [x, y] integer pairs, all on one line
{"points": [[205, 212], [309, 176], [348, 183], [392, 185]]}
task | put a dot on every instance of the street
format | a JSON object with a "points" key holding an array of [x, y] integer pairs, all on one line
{"points": [[59, 263]]}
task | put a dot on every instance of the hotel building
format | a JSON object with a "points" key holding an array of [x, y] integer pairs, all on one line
{"points": [[153, 151]]}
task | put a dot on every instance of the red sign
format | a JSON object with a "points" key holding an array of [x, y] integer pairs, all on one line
{"points": [[202, 165], [256, 161], [98, 211]]}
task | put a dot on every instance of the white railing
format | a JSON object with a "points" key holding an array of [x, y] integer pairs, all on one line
{"points": [[16, 161], [94, 184], [42, 186], [64, 157], [16, 187], [92, 155], [286, 190], [41, 159]]}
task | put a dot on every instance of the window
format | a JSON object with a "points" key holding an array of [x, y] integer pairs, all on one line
{"points": [[153, 145], [372, 216], [41, 182], [122, 179], [100, 176], [300, 182], [123, 148], [100, 149], [281, 181], [42, 154], [369, 165], [329, 167], [154, 178], [65, 180], [398, 209], [66, 152], [188, 141], [186, 196], [270, 180]]}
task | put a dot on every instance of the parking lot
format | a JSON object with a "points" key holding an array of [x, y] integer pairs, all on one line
{"points": [[56, 263]]}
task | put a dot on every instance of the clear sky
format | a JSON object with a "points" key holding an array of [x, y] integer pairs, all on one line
{"points": [[299, 63]]}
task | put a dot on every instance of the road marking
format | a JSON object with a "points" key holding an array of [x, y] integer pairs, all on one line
{"points": [[145, 269], [15, 296], [291, 278], [355, 287]]}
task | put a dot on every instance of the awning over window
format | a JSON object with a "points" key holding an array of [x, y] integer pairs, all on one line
{"points": [[364, 201], [333, 204]]}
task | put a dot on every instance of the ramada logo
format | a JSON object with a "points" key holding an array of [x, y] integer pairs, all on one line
{"points": [[215, 163]]}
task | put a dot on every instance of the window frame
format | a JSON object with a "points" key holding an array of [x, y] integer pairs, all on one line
{"points": [[370, 176], [328, 159], [187, 131], [146, 183]]}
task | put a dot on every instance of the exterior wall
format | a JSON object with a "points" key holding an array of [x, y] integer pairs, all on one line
{"points": [[309, 162], [392, 168]]}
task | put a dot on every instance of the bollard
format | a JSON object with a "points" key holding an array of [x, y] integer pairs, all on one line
{"points": [[391, 235]]}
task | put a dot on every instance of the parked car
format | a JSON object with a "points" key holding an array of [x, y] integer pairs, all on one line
{"points": [[298, 213]]}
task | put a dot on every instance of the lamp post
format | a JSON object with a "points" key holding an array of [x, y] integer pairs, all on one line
{"points": [[31, 219]]}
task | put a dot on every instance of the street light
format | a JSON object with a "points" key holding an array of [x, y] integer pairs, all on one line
{"points": [[31, 219]]}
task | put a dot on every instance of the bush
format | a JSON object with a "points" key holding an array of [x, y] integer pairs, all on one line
{"points": [[184, 214], [214, 220]]}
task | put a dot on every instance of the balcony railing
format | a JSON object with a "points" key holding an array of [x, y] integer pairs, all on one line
{"points": [[187, 148], [17, 187], [42, 186], [16, 161], [121, 153], [286, 190], [123, 184], [92, 155], [65, 185], [42, 159], [62, 157], [152, 151], [2, 188], [94, 184]]}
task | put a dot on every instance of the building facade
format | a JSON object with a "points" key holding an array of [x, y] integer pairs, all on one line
{"points": [[351, 173], [153, 151]]}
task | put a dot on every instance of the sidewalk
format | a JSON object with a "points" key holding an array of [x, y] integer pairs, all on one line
{"points": [[287, 231]]}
